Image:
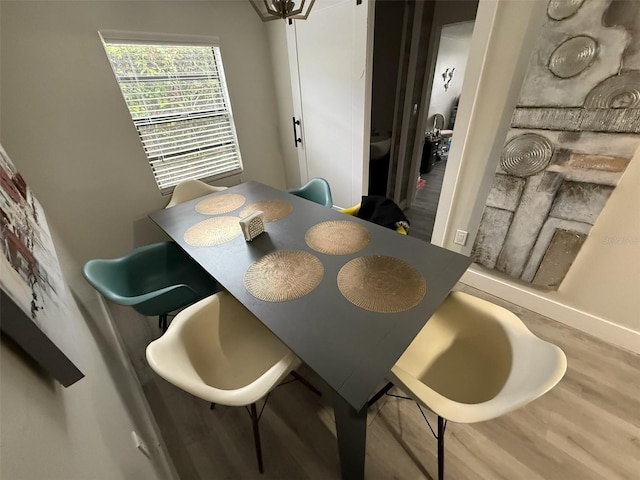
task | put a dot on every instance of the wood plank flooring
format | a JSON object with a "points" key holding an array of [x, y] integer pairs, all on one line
{"points": [[588, 427], [422, 214]]}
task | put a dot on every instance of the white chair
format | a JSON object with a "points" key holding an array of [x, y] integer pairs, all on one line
{"points": [[190, 189], [218, 351], [474, 361]]}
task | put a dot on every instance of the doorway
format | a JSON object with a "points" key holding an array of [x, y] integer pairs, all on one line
{"points": [[420, 48], [453, 51]]}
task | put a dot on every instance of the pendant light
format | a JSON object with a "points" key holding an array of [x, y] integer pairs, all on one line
{"points": [[285, 9]]}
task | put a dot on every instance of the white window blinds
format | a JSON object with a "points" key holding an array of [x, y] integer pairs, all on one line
{"points": [[179, 104]]}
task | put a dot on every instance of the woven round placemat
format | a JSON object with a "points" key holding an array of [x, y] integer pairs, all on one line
{"points": [[381, 284], [220, 204], [273, 210], [213, 231], [337, 237], [283, 275]]}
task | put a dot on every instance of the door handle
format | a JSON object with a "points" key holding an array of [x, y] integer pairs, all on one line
{"points": [[296, 139]]}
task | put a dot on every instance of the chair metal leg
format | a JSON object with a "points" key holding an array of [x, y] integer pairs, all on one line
{"points": [[162, 322], [256, 435], [441, 427], [306, 383], [380, 394]]}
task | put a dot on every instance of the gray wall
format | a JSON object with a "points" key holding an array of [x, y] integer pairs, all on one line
{"points": [[83, 431], [68, 131], [67, 128]]}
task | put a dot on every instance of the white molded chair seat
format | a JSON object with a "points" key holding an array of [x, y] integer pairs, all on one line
{"points": [[190, 189], [218, 351], [474, 361]]}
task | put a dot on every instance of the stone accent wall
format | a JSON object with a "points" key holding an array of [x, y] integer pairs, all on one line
{"points": [[573, 133]]}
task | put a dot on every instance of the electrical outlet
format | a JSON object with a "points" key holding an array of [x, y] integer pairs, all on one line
{"points": [[461, 237]]}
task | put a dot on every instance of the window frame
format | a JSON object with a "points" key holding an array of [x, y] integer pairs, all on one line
{"points": [[146, 38]]}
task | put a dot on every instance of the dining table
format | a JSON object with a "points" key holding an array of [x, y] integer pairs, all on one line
{"points": [[345, 295]]}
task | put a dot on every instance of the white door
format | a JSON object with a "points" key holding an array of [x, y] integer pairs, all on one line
{"points": [[334, 77]]}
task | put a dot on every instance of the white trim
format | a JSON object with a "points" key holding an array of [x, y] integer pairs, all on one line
{"points": [[363, 16], [605, 330], [169, 165], [296, 95], [158, 38], [484, 24], [406, 113], [166, 466], [502, 43]]}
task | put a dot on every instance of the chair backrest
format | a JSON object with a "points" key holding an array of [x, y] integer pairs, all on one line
{"points": [[474, 347], [190, 189], [128, 276], [316, 190], [154, 279], [475, 360], [217, 350]]}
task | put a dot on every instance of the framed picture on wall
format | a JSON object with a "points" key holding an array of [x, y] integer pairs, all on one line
{"points": [[33, 295]]}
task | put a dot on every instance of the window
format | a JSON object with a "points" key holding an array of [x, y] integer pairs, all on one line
{"points": [[179, 103]]}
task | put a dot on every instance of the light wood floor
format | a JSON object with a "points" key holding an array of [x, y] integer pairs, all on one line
{"points": [[588, 427], [422, 215]]}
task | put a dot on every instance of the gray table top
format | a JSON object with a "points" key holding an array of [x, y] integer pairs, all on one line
{"points": [[352, 349]]}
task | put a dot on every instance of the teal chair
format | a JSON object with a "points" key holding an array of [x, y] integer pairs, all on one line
{"points": [[154, 279], [317, 190]]}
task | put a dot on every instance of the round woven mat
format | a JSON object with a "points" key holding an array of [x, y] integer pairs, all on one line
{"points": [[273, 210], [213, 231], [220, 204], [381, 284], [284, 275], [337, 237]]}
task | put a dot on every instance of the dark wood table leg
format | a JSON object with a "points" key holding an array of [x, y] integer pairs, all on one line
{"points": [[351, 428]]}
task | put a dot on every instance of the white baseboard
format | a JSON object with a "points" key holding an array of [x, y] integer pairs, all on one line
{"points": [[605, 330], [165, 467]]}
